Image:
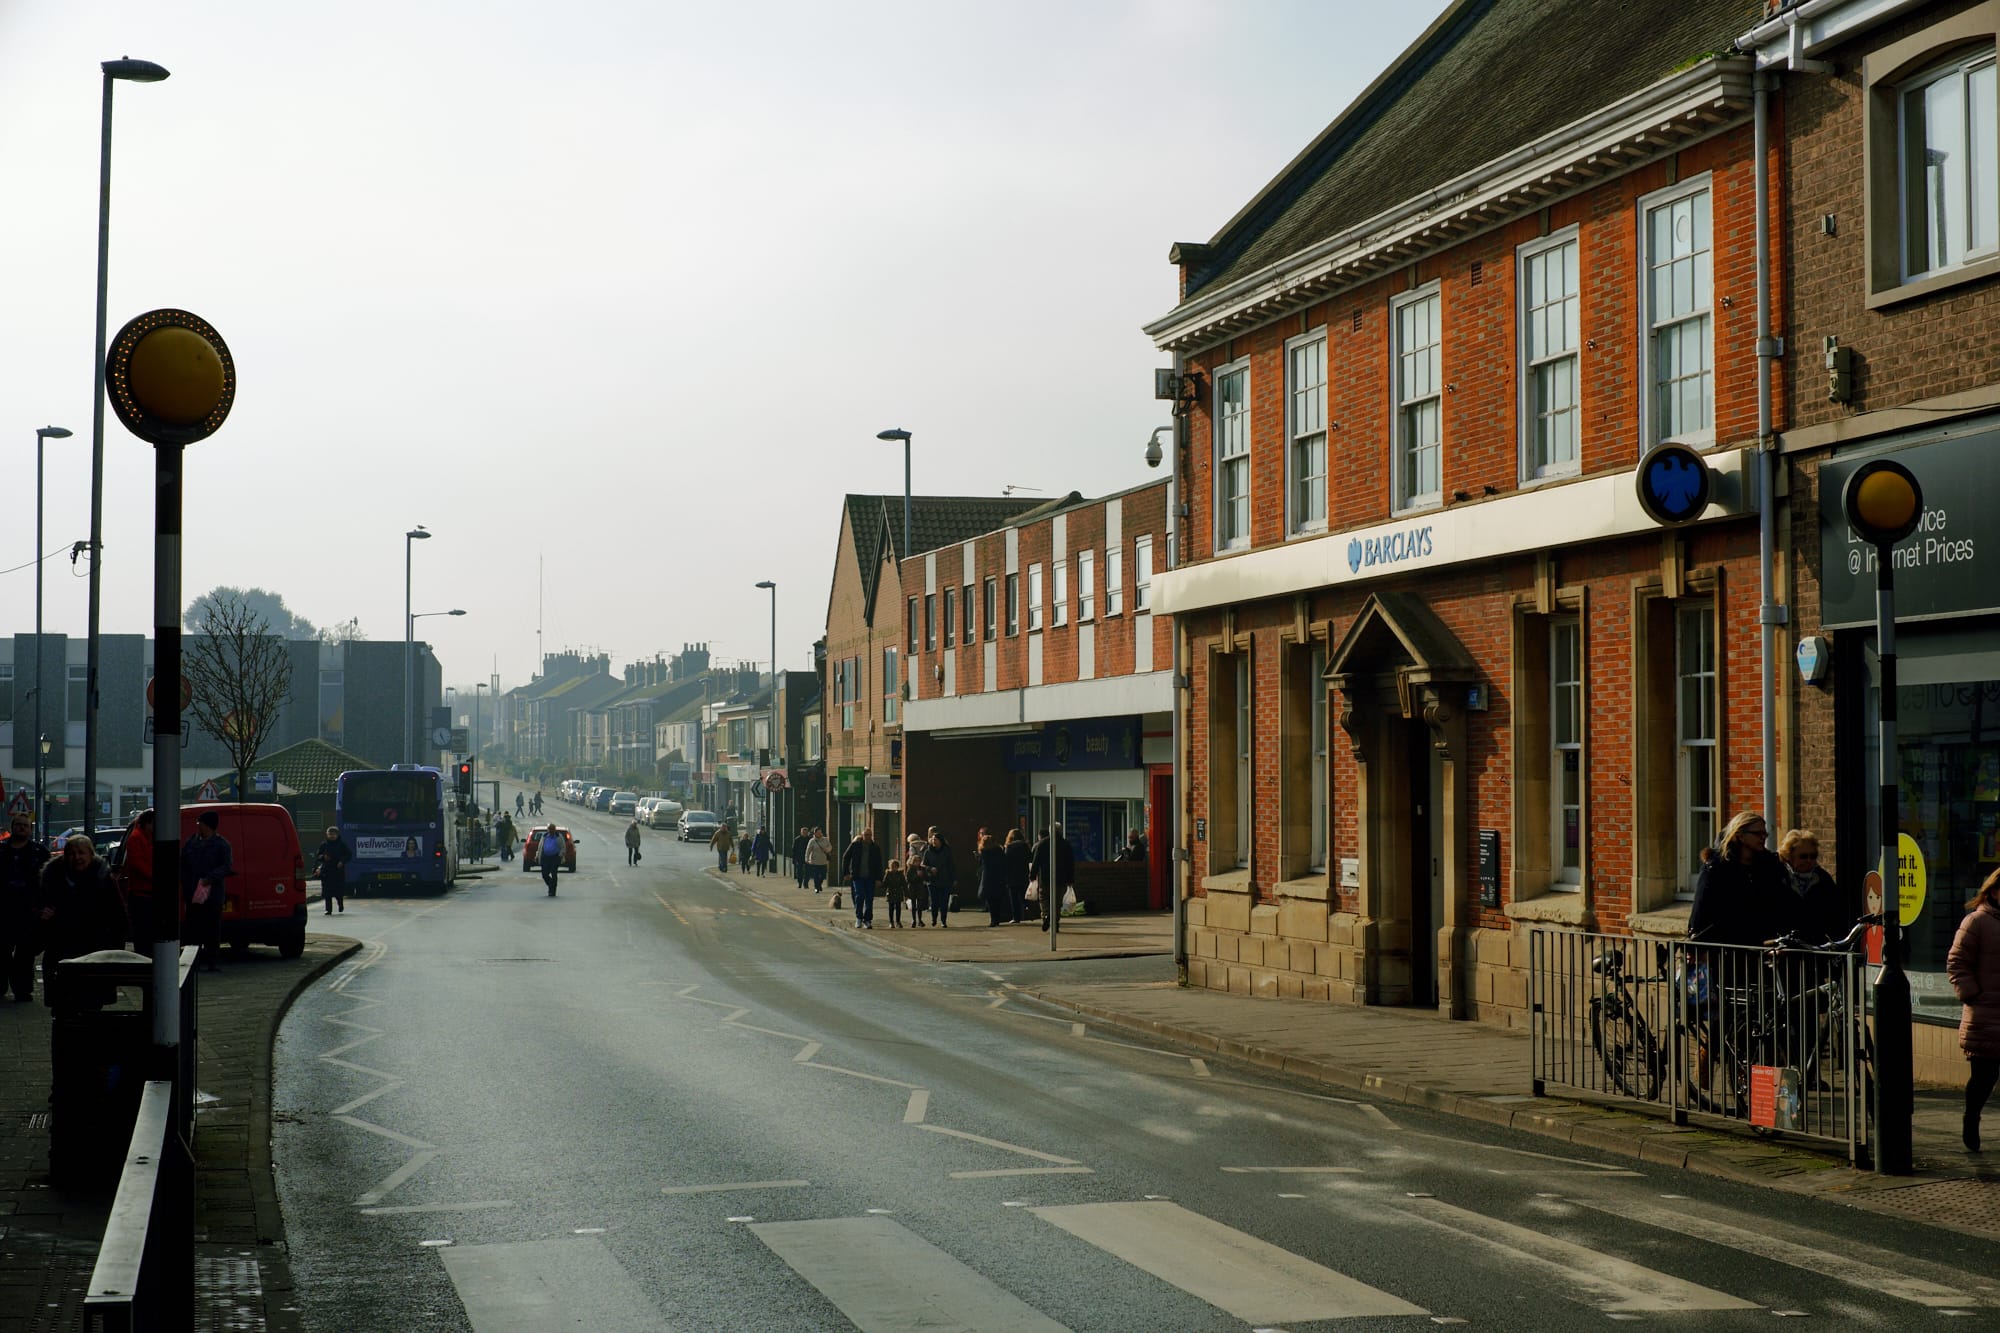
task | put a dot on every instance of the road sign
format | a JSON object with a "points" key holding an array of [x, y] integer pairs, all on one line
{"points": [[187, 693], [849, 783], [774, 780], [20, 805], [264, 782], [208, 792]]}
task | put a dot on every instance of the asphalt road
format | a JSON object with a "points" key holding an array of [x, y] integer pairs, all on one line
{"points": [[652, 1102]]}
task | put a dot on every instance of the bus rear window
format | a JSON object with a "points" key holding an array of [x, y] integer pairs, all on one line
{"points": [[390, 798]]}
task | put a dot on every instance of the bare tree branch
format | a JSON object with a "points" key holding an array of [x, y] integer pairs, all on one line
{"points": [[241, 674]]}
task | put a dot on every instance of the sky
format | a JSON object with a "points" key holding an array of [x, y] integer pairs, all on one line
{"points": [[613, 297]]}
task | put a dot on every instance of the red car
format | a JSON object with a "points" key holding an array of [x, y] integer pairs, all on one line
{"points": [[531, 849]]}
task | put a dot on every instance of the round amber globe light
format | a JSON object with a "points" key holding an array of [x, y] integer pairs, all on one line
{"points": [[1885, 502], [176, 375]]}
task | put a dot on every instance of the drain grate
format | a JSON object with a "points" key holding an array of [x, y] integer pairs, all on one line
{"points": [[39, 1120], [228, 1291]]}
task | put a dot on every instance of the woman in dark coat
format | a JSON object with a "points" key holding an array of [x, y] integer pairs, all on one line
{"points": [[1973, 968], [993, 881], [81, 909], [1824, 908], [1017, 873], [1743, 895], [941, 873]]}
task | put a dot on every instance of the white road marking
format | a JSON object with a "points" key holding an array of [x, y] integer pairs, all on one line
{"points": [[530, 1286], [1004, 1147], [887, 1279], [1860, 1266], [738, 1185], [1611, 1284], [1293, 1170], [999, 999], [920, 1105], [479, 1206], [731, 1018], [1024, 1171], [1247, 1278], [806, 1053], [372, 1128], [855, 1073], [364, 1099], [1199, 1065], [771, 1032], [1076, 1029], [396, 1178]]}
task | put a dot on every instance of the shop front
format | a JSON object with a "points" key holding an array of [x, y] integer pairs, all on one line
{"points": [[1947, 761]]}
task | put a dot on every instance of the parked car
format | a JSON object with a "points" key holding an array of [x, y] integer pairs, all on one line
{"points": [[600, 798], [531, 849], [264, 902], [665, 813], [698, 825], [622, 803]]}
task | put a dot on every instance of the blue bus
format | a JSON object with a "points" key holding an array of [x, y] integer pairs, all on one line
{"points": [[401, 827]]}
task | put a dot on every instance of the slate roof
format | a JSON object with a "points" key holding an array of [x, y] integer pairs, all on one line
{"points": [[307, 768], [935, 520], [1485, 78]]}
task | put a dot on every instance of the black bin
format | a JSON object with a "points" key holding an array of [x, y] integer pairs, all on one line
{"points": [[101, 1050]]}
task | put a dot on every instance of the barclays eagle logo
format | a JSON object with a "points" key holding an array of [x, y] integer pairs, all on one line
{"points": [[1354, 556], [1675, 482]]}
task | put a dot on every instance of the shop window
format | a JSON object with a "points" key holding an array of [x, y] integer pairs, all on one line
{"points": [[1695, 723], [1566, 752], [1677, 691], [1229, 771], [1932, 157], [1303, 746], [1551, 747]]}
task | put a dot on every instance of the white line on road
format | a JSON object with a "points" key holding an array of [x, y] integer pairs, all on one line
{"points": [[738, 1185], [372, 1128], [855, 1073], [806, 1053], [920, 1105], [731, 1018], [398, 1208], [396, 1178], [1200, 1066], [365, 1098], [1024, 1171], [771, 1032], [529, 1286], [998, 1000], [1249, 1278], [1076, 1029], [1004, 1147], [1293, 1170]]}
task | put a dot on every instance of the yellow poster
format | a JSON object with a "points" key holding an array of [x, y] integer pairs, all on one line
{"points": [[1910, 880]]}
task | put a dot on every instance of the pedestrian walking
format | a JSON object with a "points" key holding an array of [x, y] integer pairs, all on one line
{"points": [[760, 850], [941, 874], [21, 862], [521, 803], [548, 857], [331, 862], [1973, 968], [632, 843], [132, 872], [895, 887], [1743, 894], [1053, 868], [1019, 868], [861, 866], [80, 910], [993, 880], [1824, 907], [724, 842], [206, 861], [819, 854], [799, 841]]}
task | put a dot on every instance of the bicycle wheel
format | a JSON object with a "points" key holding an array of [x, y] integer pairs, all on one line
{"points": [[1718, 1079], [1630, 1054]]}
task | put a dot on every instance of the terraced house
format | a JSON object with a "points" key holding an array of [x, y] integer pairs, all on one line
{"points": [[1445, 680]]}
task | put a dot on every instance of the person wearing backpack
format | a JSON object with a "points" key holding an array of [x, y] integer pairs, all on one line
{"points": [[549, 858]]}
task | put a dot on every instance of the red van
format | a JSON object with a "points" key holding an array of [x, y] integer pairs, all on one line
{"points": [[265, 900]]}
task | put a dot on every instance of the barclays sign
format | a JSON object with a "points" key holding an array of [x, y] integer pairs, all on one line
{"points": [[1391, 548]]}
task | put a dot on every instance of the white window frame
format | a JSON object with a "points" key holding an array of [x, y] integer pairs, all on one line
{"points": [[1316, 733], [1534, 359], [930, 622], [1568, 719], [1114, 582], [916, 630], [1086, 585], [1963, 70], [1012, 592], [1409, 394], [1034, 597], [891, 685], [1651, 328], [949, 617], [990, 605], [1245, 718], [1695, 735], [969, 617], [1305, 431], [1060, 602], [1142, 574], [1232, 433]]}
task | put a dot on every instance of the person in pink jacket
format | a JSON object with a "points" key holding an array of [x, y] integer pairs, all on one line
{"points": [[1973, 967]]}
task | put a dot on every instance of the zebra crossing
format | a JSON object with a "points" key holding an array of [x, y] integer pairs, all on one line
{"points": [[883, 1277]]}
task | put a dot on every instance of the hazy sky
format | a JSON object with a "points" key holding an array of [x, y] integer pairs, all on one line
{"points": [[625, 287]]}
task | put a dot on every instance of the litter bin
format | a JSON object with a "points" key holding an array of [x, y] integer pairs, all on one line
{"points": [[101, 1046]]}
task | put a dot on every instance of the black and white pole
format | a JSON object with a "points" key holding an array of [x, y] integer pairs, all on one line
{"points": [[1883, 503], [1052, 890]]}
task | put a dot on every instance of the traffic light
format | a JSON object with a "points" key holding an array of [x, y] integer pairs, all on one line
{"points": [[465, 777]]}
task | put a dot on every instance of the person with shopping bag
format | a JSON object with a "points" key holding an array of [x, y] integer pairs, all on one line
{"points": [[1054, 869]]}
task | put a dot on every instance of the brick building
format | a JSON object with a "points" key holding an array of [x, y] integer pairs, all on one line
{"points": [[1037, 663], [1892, 235], [862, 697], [1447, 681]]}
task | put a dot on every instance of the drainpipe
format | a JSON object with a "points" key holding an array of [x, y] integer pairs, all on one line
{"points": [[1771, 613], [1182, 849]]}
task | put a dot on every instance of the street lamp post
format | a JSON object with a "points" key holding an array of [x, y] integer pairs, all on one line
{"points": [[1883, 503], [135, 71], [904, 436], [410, 624], [41, 768], [45, 433], [770, 798], [416, 534]]}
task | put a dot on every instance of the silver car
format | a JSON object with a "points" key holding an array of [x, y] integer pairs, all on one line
{"points": [[698, 825]]}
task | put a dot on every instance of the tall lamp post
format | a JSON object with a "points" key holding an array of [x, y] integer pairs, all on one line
{"points": [[42, 741], [1883, 503], [770, 797], [414, 535], [41, 768], [904, 436], [410, 639], [133, 71]]}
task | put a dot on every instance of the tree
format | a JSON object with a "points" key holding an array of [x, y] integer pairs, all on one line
{"points": [[268, 607], [346, 631], [240, 672]]}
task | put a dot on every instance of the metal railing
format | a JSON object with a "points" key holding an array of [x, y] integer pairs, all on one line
{"points": [[144, 1278], [1775, 1038]]}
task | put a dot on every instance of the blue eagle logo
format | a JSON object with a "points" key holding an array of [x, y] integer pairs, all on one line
{"points": [[1354, 555], [1676, 482]]}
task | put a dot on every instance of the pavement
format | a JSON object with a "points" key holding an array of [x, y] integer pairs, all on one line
{"points": [[1473, 1070]]}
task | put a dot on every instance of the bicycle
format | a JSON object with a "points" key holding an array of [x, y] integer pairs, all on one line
{"points": [[1632, 1058]]}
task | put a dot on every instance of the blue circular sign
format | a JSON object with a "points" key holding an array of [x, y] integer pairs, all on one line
{"points": [[1675, 484]]}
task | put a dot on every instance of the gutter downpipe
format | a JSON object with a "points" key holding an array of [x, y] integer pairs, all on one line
{"points": [[1770, 612], [1182, 851]]}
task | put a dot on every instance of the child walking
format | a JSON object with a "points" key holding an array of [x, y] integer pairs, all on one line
{"points": [[895, 887]]}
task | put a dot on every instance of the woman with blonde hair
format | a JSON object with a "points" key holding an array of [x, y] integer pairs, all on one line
{"points": [[1973, 968], [1742, 895]]}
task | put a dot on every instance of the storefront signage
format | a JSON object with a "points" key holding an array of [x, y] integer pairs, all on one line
{"points": [[1087, 743], [1947, 567], [849, 783], [1489, 867], [1391, 548], [884, 791]]}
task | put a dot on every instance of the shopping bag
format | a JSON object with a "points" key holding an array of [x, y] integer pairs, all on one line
{"points": [[732, 858], [1034, 893], [1070, 906], [202, 890]]}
